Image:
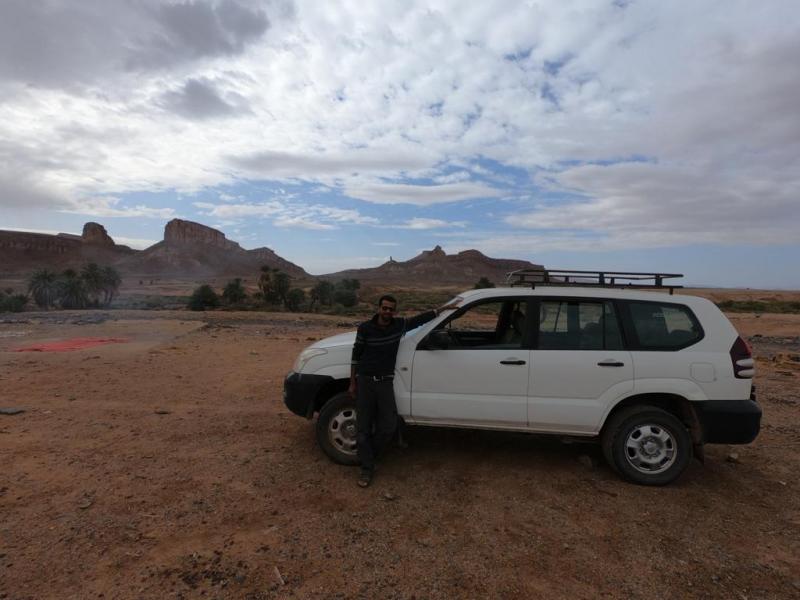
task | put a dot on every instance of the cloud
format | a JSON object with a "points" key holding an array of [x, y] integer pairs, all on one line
{"points": [[642, 204], [67, 43], [420, 223], [313, 166], [199, 99], [315, 216], [110, 207], [421, 195]]}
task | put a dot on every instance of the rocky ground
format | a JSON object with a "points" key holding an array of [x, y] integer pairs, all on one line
{"points": [[168, 467]]}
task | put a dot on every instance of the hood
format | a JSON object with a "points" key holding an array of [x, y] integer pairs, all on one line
{"points": [[343, 339]]}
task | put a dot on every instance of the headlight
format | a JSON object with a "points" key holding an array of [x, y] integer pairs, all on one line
{"points": [[305, 356]]}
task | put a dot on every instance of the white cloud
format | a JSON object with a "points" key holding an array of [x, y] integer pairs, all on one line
{"points": [[421, 195], [420, 223], [285, 214], [108, 207]]}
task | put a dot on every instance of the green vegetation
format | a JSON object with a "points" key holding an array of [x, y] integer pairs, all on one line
{"points": [[11, 302], [760, 306], [483, 283], [93, 287], [202, 298], [234, 292]]}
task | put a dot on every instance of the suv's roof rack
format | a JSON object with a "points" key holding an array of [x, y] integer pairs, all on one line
{"points": [[613, 279]]}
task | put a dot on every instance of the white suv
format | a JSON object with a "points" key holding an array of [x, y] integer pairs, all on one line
{"points": [[652, 376]]}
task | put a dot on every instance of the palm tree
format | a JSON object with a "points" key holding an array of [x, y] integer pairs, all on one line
{"points": [[92, 276], [43, 286], [72, 291], [111, 282]]}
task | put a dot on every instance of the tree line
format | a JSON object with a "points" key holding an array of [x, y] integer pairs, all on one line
{"points": [[275, 290], [91, 287]]}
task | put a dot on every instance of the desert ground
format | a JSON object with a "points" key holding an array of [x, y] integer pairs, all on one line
{"points": [[165, 465]]}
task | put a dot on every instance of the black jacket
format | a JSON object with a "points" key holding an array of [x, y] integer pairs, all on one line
{"points": [[375, 350]]}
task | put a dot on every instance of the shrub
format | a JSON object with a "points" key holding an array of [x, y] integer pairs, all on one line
{"points": [[345, 297], [483, 283], [294, 298], [203, 297], [234, 292], [11, 302]]}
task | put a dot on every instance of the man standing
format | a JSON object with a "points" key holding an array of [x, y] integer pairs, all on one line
{"points": [[372, 378]]}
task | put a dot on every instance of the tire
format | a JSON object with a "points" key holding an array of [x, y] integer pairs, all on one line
{"points": [[336, 429], [647, 445]]}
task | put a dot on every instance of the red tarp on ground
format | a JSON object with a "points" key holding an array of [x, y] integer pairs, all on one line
{"points": [[73, 344]]}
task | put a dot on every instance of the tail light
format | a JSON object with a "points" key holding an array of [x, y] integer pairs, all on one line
{"points": [[742, 359]]}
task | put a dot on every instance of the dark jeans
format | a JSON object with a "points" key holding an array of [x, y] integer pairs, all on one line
{"points": [[376, 418]]}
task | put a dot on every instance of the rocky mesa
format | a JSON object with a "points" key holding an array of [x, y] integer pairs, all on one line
{"points": [[436, 267]]}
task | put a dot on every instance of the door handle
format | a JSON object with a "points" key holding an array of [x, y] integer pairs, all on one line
{"points": [[512, 362], [610, 363]]}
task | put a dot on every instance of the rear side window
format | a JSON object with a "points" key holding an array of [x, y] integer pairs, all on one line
{"points": [[578, 325], [664, 326]]}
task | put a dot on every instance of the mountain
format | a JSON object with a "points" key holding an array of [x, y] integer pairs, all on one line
{"points": [[188, 250], [21, 251], [192, 249], [434, 267]]}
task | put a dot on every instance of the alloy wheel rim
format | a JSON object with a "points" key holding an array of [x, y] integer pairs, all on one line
{"points": [[650, 449], [342, 431]]}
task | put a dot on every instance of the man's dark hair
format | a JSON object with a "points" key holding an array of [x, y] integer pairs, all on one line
{"points": [[388, 298]]}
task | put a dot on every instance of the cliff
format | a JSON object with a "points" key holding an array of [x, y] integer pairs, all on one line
{"points": [[435, 267]]}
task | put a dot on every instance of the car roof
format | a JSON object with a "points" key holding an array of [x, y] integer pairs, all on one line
{"points": [[576, 291]]}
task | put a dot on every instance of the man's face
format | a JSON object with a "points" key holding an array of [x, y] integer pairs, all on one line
{"points": [[386, 311]]}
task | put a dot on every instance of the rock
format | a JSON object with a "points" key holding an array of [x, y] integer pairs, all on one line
{"points": [[733, 457], [11, 411], [182, 232], [161, 411], [95, 234], [390, 496]]}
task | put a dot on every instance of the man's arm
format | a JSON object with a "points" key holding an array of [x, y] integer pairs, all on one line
{"points": [[358, 350], [421, 319]]}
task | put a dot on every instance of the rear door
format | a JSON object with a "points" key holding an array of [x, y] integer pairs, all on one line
{"points": [[481, 376], [578, 365]]}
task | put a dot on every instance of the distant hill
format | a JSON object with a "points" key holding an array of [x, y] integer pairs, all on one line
{"points": [[435, 267], [193, 251], [188, 250]]}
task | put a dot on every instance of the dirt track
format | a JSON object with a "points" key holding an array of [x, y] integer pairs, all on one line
{"points": [[168, 467]]}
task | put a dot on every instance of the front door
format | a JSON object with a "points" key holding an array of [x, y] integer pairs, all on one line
{"points": [[474, 367], [579, 366]]}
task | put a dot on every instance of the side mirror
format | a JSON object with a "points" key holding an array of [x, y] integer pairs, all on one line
{"points": [[438, 339]]}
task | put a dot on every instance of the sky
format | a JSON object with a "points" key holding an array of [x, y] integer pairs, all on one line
{"points": [[624, 135]]}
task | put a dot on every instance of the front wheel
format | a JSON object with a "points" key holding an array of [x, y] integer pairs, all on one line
{"points": [[336, 429], [647, 445]]}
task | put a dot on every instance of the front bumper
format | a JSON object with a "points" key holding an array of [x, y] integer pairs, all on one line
{"points": [[300, 392], [729, 421]]}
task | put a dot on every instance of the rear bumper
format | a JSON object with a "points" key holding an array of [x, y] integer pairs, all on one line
{"points": [[300, 391], [729, 421]]}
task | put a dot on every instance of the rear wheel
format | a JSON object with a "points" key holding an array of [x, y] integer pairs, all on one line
{"points": [[647, 445], [336, 429]]}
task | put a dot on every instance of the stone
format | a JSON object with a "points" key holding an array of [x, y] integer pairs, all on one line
{"points": [[94, 233], [733, 457], [11, 411]]}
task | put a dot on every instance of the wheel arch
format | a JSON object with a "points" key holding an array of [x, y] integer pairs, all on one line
{"points": [[675, 404], [328, 391]]}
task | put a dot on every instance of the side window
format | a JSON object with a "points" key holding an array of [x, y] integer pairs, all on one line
{"points": [[499, 324], [578, 325], [664, 326]]}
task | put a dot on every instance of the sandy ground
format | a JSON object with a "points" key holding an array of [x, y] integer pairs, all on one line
{"points": [[168, 467]]}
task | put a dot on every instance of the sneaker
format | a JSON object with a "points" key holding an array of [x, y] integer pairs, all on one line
{"points": [[365, 478]]}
